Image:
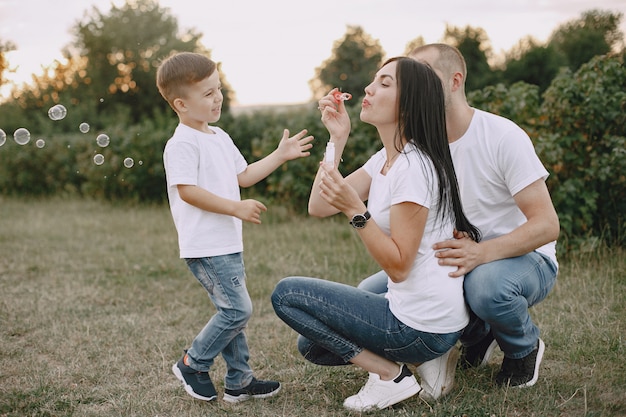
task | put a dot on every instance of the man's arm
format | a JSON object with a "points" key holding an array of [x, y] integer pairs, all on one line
{"points": [[541, 227]]}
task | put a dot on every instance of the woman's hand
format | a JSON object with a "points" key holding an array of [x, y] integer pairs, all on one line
{"points": [[336, 191], [334, 116]]}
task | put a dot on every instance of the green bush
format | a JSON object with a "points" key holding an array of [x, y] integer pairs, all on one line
{"points": [[583, 141], [578, 130]]}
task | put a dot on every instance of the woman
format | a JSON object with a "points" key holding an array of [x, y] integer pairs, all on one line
{"points": [[412, 202]]}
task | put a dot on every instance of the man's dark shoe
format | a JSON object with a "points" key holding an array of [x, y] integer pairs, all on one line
{"points": [[255, 389], [478, 354], [197, 384], [522, 372]]}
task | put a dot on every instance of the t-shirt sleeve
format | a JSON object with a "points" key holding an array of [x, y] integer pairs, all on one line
{"points": [[240, 162], [415, 183], [519, 161], [181, 163]]}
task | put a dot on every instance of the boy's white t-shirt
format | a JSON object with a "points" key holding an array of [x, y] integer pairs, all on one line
{"points": [[494, 160], [211, 162], [428, 300]]}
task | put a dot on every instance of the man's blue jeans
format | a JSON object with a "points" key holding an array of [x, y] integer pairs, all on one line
{"points": [[499, 294], [223, 277], [337, 322]]}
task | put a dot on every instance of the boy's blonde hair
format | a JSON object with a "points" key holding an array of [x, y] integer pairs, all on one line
{"points": [[181, 70]]}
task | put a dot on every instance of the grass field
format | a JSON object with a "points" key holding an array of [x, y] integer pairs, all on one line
{"points": [[95, 306]]}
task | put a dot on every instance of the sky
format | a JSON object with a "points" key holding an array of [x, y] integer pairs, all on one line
{"points": [[269, 49]]}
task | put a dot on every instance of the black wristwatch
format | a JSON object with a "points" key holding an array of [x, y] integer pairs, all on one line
{"points": [[359, 220]]}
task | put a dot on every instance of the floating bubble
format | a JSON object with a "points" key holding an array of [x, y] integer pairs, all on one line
{"points": [[57, 112], [128, 162], [21, 136], [3, 137], [40, 143], [98, 159], [84, 127], [103, 140], [140, 162]]}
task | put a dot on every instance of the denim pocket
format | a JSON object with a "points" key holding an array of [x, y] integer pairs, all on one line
{"points": [[197, 268], [424, 348]]}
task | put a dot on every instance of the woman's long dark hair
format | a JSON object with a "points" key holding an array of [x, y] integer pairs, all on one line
{"points": [[421, 120]]}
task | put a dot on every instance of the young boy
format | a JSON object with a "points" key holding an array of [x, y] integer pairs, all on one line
{"points": [[204, 170]]}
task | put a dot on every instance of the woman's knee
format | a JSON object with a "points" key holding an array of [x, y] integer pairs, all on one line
{"points": [[283, 287]]}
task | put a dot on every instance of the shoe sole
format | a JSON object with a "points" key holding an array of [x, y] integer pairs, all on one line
{"points": [[408, 393], [448, 383], [188, 388], [245, 397], [490, 349], [540, 350]]}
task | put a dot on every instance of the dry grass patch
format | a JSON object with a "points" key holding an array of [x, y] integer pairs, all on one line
{"points": [[96, 306]]}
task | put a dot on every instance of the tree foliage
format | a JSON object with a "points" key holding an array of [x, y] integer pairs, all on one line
{"points": [[108, 73], [533, 63], [5, 46], [596, 32], [584, 143], [123, 49], [473, 43], [354, 61]]}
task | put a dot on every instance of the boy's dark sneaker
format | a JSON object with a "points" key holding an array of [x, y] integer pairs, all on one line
{"points": [[197, 384], [255, 389], [478, 354], [522, 372]]}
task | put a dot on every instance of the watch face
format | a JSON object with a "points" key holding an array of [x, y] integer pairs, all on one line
{"points": [[358, 221]]}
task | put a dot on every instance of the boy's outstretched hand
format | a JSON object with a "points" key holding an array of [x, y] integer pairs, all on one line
{"points": [[294, 147]]}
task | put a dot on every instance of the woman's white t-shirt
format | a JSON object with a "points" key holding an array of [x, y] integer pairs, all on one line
{"points": [[211, 162], [428, 300]]}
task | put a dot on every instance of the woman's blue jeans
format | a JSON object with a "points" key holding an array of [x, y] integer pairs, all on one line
{"points": [[337, 322], [224, 278], [499, 295]]}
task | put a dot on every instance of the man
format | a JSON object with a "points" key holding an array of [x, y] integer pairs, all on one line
{"points": [[503, 190]]}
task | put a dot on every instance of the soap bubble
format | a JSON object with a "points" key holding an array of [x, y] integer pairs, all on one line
{"points": [[40, 143], [98, 159], [128, 162], [3, 137], [103, 140], [21, 136], [84, 127], [57, 112]]}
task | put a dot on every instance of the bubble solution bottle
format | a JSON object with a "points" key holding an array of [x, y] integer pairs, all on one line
{"points": [[329, 156]]}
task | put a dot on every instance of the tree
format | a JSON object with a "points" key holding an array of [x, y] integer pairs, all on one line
{"points": [[532, 63], [473, 43], [354, 61], [5, 47], [412, 44], [123, 49], [595, 33]]}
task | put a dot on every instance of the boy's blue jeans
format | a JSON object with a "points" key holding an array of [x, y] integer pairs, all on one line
{"points": [[224, 279], [337, 321], [499, 294]]}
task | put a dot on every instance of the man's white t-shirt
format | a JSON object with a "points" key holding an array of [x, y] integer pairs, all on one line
{"points": [[494, 160], [211, 162], [428, 300]]}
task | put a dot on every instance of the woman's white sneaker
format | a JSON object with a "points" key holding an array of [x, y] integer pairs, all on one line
{"points": [[437, 375], [379, 394]]}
